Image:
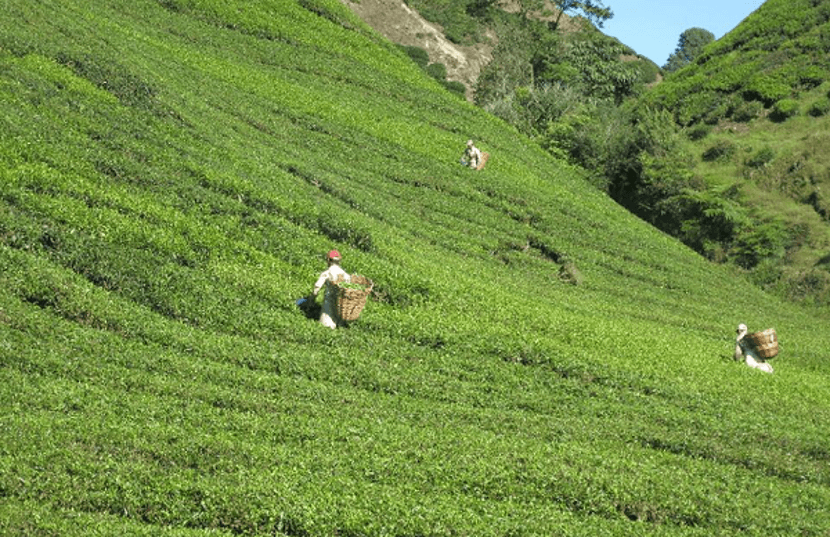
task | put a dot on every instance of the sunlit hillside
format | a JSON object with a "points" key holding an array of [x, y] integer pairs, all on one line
{"points": [[533, 360], [755, 107]]}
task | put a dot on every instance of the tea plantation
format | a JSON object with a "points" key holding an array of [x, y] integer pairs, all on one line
{"points": [[171, 174]]}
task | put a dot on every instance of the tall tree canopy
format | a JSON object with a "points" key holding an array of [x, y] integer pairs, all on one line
{"points": [[593, 10], [689, 47]]}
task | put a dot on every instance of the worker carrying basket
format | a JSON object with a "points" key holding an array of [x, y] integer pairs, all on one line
{"points": [[345, 295], [756, 348]]}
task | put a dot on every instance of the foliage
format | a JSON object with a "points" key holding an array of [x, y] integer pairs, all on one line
{"points": [[699, 131], [761, 93], [158, 378], [419, 55], [593, 10], [438, 71], [747, 111], [591, 63], [542, 83], [820, 107], [689, 46], [775, 54], [648, 71], [571, 85], [785, 109], [464, 22], [761, 158], [721, 150]]}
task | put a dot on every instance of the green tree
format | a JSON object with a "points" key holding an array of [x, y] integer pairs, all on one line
{"points": [[689, 47], [590, 60], [593, 10]]}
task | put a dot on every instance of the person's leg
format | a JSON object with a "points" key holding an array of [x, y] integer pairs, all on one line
{"points": [[326, 320]]}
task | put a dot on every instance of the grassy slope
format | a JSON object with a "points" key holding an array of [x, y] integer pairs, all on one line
{"points": [[776, 57], [172, 171]]}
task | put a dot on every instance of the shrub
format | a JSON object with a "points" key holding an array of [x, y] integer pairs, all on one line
{"points": [[784, 109], [747, 111], [648, 71], [455, 87], [438, 71], [812, 286], [767, 273], [717, 111], [767, 89], [698, 131], [758, 242], [820, 107], [720, 151], [818, 202], [761, 158], [695, 107], [811, 77], [417, 54]]}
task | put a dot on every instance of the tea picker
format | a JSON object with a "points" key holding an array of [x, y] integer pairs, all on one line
{"points": [[756, 348], [473, 157], [345, 294]]}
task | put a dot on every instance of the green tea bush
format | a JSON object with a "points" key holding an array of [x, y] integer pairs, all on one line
{"points": [[747, 111], [698, 131], [438, 71], [761, 158], [721, 150], [767, 89], [455, 87], [157, 377], [820, 107], [419, 55], [785, 109]]}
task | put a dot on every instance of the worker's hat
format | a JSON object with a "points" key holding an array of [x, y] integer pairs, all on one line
{"points": [[334, 255], [469, 143]]}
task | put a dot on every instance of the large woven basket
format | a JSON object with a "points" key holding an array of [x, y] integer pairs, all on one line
{"points": [[484, 158], [764, 343], [350, 302]]}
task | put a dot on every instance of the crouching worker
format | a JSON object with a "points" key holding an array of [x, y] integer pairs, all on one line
{"points": [[471, 156], [328, 315], [745, 351]]}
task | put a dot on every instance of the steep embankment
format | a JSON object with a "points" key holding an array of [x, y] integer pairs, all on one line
{"points": [[172, 172], [399, 23]]}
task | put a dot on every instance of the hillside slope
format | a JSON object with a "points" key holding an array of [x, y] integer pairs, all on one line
{"points": [[755, 107], [172, 172]]}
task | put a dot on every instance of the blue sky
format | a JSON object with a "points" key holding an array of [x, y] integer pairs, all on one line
{"points": [[653, 27]]}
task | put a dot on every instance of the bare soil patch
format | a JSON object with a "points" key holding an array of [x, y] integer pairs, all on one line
{"points": [[400, 24]]}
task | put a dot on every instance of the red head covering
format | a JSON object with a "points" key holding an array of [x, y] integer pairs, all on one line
{"points": [[334, 255]]}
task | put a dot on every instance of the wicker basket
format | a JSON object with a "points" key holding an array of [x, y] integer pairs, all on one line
{"points": [[764, 343], [350, 302], [484, 158]]}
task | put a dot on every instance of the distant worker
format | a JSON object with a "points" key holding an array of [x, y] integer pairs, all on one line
{"points": [[471, 156], [328, 315], [743, 350]]}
